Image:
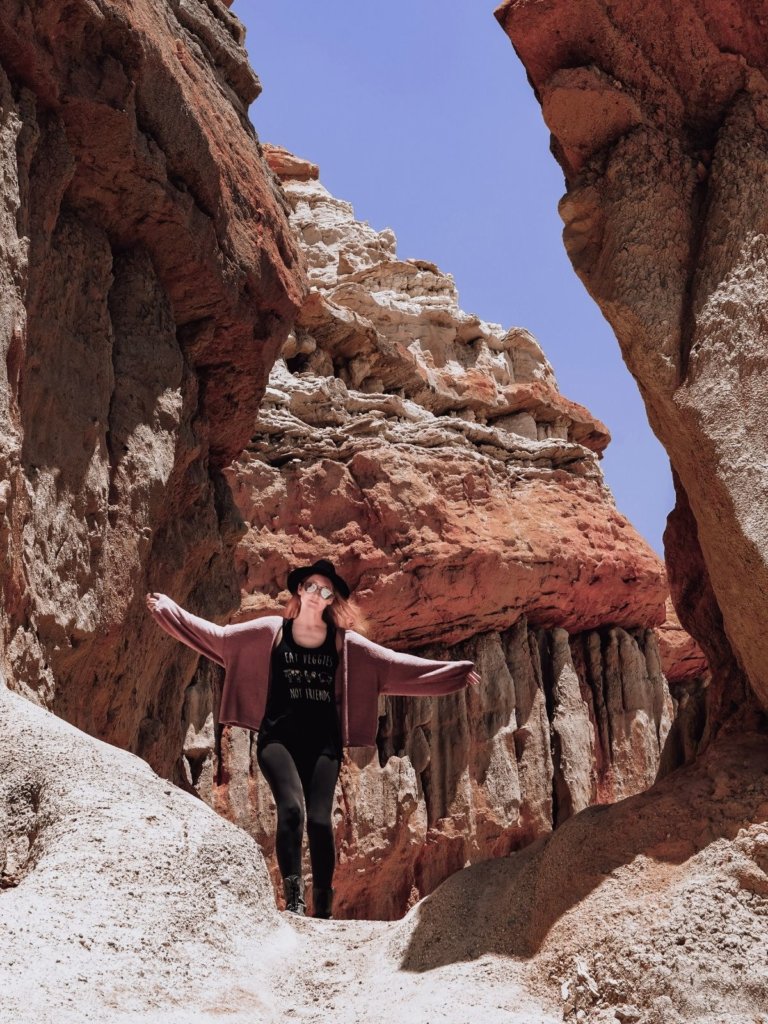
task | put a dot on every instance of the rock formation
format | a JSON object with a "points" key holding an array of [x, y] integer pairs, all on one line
{"points": [[123, 899], [658, 119], [149, 279], [431, 456], [650, 911], [120, 895]]}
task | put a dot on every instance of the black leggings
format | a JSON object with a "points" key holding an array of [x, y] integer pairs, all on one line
{"points": [[289, 778]]}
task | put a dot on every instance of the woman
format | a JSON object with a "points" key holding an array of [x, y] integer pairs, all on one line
{"points": [[309, 684]]}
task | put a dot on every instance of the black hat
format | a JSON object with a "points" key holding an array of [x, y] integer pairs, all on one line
{"points": [[322, 568]]}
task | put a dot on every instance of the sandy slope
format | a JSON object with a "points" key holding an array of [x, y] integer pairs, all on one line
{"points": [[125, 899]]}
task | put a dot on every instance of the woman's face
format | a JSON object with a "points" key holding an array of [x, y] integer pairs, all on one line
{"points": [[315, 598]]}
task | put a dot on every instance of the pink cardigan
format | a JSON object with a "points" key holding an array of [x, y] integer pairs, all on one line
{"points": [[245, 648]]}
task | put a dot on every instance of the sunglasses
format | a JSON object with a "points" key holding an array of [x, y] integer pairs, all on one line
{"points": [[311, 588]]}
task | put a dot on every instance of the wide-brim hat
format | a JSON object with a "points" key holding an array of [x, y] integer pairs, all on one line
{"points": [[321, 568]]}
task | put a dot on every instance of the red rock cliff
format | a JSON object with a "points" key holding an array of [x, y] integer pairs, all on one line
{"points": [[432, 457], [149, 279], [658, 116]]}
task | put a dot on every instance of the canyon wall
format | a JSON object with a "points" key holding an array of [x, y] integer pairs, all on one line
{"points": [[658, 118], [156, 269], [431, 456], [149, 278]]}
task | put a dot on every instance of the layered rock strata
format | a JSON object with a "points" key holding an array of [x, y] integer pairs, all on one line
{"points": [[431, 456], [430, 453], [149, 278], [658, 116]]}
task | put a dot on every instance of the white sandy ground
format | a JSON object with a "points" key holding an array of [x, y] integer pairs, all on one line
{"points": [[134, 902], [127, 900]]}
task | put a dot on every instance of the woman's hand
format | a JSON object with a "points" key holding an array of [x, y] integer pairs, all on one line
{"points": [[473, 679], [152, 601]]}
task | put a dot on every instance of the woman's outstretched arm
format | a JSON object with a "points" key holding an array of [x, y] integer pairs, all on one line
{"points": [[406, 675], [201, 635]]}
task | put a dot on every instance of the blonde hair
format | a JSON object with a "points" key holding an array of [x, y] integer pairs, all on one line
{"points": [[343, 612]]}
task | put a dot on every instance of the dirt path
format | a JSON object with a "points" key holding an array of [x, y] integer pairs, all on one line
{"points": [[350, 971]]}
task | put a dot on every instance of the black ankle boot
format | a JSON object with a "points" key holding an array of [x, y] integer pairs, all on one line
{"points": [[293, 887], [322, 902]]}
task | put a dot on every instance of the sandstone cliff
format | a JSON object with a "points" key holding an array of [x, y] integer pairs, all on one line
{"points": [[658, 118], [149, 278], [432, 457], [132, 288]]}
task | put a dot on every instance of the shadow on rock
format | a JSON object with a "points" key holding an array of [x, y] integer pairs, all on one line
{"points": [[612, 872]]}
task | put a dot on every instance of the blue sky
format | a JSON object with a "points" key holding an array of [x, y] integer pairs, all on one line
{"points": [[420, 115]]}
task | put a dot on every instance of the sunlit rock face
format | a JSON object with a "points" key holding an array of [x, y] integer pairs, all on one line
{"points": [[140, 902], [430, 455], [120, 894], [658, 117], [149, 278], [385, 325]]}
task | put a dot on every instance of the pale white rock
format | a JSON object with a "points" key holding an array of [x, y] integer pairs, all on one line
{"points": [[303, 406], [334, 242], [125, 900], [381, 323]]}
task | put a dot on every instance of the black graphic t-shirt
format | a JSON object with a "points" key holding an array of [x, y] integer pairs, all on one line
{"points": [[302, 689]]}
